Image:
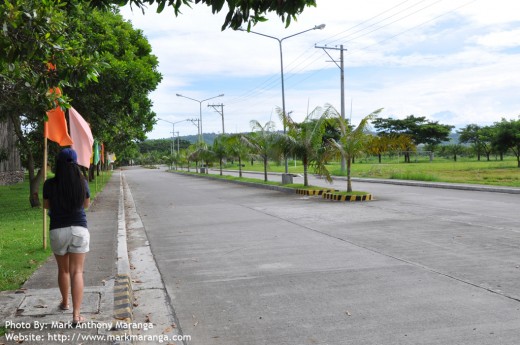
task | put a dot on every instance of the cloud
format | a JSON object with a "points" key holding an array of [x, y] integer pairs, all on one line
{"points": [[501, 39], [427, 58]]}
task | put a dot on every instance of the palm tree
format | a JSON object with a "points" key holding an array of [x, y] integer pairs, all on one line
{"points": [[237, 148], [195, 154], [180, 159], [263, 142], [220, 149], [352, 141], [305, 139]]}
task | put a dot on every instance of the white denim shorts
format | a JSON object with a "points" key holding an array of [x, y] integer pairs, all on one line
{"points": [[71, 239]]}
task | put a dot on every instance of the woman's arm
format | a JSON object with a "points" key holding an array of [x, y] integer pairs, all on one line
{"points": [[86, 203], [46, 203]]}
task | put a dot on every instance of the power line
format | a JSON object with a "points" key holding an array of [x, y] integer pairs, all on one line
{"points": [[393, 22], [302, 65], [382, 20], [366, 21]]}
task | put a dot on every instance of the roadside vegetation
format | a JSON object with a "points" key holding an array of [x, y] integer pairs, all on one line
{"points": [[295, 186], [466, 170], [21, 247], [408, 149]]}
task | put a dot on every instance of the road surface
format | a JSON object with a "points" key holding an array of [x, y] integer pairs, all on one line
{"points": [[418, 265]]}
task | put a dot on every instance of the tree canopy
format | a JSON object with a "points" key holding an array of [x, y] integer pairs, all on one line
{"points": [[103, 65], [238, 11], [421, 131]]}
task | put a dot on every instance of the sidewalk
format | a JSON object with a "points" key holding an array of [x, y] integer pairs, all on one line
{"points": [[33, 313]]}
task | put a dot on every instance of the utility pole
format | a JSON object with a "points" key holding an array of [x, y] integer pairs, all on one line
{"points": [[220, 111], [341, 68], [196, 123]]}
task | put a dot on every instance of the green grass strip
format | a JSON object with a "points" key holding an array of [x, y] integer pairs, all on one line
{"points": [[294, 186], [21, 247]]}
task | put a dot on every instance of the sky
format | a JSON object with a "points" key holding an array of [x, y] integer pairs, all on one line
{"points": [[452, 61]]}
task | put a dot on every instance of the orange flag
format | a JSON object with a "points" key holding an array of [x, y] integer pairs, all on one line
{"points": [[55, 128]]}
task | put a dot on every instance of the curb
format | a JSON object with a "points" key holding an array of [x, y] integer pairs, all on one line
{"points": [[312, 192], [412, 183], [250, 184], [123, 296], [349, 198]]}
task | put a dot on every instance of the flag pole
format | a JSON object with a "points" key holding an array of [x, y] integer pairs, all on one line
{"points": [[96, 178], [44, 178]]}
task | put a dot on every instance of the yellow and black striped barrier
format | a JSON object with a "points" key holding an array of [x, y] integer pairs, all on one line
{"points": [[312, 192], [340, 197], [123, 298]]}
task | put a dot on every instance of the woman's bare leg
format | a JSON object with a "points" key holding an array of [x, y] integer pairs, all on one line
{"points": [[63, 277], [76, 264]]}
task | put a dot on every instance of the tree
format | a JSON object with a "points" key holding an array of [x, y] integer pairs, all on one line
{"points": [[386, 143], [220, 150], [420, 130], [239, 11], [305, 139], [35, 38], [263, 142], [162, 145], [508, 136], [123, 63], [452, 150], [127, 79], [479, 137], [352, 142], [237, 147], [200, 152]]}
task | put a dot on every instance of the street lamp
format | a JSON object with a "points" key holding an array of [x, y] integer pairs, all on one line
{"points": [[173, 132], [316, 27], [200, 110]]}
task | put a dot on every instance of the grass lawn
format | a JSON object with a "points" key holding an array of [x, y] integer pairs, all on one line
{"points": [[498, 173], [21, 246]]}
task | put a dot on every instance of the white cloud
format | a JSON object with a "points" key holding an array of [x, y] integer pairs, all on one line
{"points": [[411, 57], [502, 39]]}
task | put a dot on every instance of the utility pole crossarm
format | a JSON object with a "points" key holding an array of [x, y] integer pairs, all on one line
{"points": [[333, 48], [219, 108]]}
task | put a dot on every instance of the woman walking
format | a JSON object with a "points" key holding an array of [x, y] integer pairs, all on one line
{"points": [[66, 196]]}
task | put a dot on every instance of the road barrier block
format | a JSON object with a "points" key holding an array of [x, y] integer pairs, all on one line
{"points": [[339, 197], [313, 191]]}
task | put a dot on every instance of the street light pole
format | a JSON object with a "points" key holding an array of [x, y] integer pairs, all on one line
{"points": [[173, 132], [200, 110], [280, 40]]}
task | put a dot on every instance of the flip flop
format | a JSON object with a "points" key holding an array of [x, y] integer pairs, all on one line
{"points": [[78, 320], [64, 306]]}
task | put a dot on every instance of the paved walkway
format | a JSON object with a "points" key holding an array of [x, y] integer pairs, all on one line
{"points": [[36, 304]]}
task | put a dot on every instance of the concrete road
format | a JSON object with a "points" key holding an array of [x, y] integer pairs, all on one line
{"points": [[417, 266]]}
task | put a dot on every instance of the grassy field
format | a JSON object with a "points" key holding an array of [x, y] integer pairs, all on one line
{"points": [[21, 245], [498, 173]]}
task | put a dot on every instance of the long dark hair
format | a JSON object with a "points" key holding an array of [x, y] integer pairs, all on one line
{"points": [[70, 185]]}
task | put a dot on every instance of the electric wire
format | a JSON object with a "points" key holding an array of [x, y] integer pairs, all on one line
{"points": [[293, 75], [272, 80]]}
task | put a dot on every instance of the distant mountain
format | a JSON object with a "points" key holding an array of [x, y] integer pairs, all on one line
{"points": [[454, 138], [209, 138]]}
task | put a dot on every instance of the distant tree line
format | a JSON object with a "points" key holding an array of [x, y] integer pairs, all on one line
{"points": [[323, 136]]}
